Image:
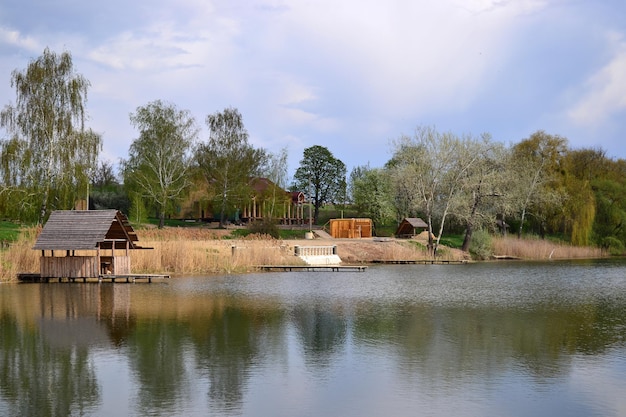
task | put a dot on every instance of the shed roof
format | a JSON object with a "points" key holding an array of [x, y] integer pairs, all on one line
{"points": [[85, 229], [409, 224], [416, 222]]}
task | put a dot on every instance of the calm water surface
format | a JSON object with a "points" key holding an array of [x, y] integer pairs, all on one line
{"points": [[494, 339]]}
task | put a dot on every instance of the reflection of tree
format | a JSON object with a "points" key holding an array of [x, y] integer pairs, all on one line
{"points": [[157, 357], [322, 332], [225, 348], [114, 311], [38, 380], [450, 344]]}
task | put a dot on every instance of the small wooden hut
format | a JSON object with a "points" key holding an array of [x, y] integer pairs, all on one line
{"points": [[86, 244], [351, 228], [411, 226]]}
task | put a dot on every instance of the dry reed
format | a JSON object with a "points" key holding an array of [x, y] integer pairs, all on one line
{"points": [[204, 251], [541, 249], [211, 256], [20, 256]]}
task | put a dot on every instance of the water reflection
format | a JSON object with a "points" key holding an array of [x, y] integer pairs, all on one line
{"points": [[454, 340]]}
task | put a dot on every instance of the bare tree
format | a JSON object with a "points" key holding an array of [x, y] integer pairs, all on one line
{"points": [[433, 165]]}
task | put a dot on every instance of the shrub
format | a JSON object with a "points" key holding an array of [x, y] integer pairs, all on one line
{"points": [[480, 246], [265, 227], [613, 245]]}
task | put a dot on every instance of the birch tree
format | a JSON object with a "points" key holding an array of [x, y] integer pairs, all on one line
{"points": [[49, 155], [275, 170], [159, 159], [227, 160]]}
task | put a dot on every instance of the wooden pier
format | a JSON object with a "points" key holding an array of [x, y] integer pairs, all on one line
{"points": [[128, 278], [314, 268]]}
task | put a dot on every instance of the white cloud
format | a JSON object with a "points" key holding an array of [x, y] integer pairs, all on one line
{"points": [[604, 93], [16, 39]]}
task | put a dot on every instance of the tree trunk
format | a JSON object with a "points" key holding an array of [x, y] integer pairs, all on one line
{"points": [[470, 225], [521, 224]]}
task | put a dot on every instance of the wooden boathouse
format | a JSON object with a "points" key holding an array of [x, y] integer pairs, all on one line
{"points": [[82, 244]]}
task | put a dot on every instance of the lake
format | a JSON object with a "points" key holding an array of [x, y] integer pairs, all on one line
{"points": [[484, 339]]}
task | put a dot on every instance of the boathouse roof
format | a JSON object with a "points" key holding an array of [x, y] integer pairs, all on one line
{"points": [[87, 229]]}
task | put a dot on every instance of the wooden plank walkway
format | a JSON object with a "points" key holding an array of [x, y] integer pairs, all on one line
{"points": [[129, 278], [314, 268]]}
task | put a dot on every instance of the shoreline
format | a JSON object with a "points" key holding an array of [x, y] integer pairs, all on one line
{"points": [[191, 252]]}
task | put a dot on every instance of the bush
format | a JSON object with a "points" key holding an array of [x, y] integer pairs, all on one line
{"points": [[265, 227], [480, 245], [613, 245]]}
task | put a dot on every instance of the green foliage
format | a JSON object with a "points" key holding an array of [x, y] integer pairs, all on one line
{"points": [[137, 212], [9, 231], [227, 161], [481, 246], [266, 226], [371, 194], [322, 176], [613, 245], [452, 241], [610, 219], [47, 161], [284, 234], [159, 160]]}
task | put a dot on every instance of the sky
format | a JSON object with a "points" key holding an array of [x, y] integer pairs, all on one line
{"points": [[349, 75]]}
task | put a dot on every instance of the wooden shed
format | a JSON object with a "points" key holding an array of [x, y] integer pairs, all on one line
{"points": [[86, 244], [411, 226], [351, 228]]}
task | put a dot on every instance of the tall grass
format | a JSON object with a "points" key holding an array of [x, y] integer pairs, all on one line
{"points": [[541, 249], [20, 256], [211, 256], [203, 251]]}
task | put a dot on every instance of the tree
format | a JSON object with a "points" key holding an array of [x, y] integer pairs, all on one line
{"points": [[104, 175], [160, 158], [276, 171], [484, 183], [322, 172], [49, 157], [537, 161], [370, 189], [432, 166], [227, 160]]}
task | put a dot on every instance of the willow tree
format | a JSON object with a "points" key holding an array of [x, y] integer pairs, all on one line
{"points": [[538, 161], [227, 160], [48, 158], [160, 159]]}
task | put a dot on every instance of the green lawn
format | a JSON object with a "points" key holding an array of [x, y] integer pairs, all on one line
{"points": [[9, 231]]}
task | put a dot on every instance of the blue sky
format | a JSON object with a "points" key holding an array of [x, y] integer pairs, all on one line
{"points": [[349, 75]]}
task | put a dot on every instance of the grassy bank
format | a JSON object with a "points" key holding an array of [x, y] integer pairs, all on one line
{"points": [[179, 251]]}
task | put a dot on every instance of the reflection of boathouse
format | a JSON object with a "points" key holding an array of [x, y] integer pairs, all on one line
{"points": [[86, 244]]}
